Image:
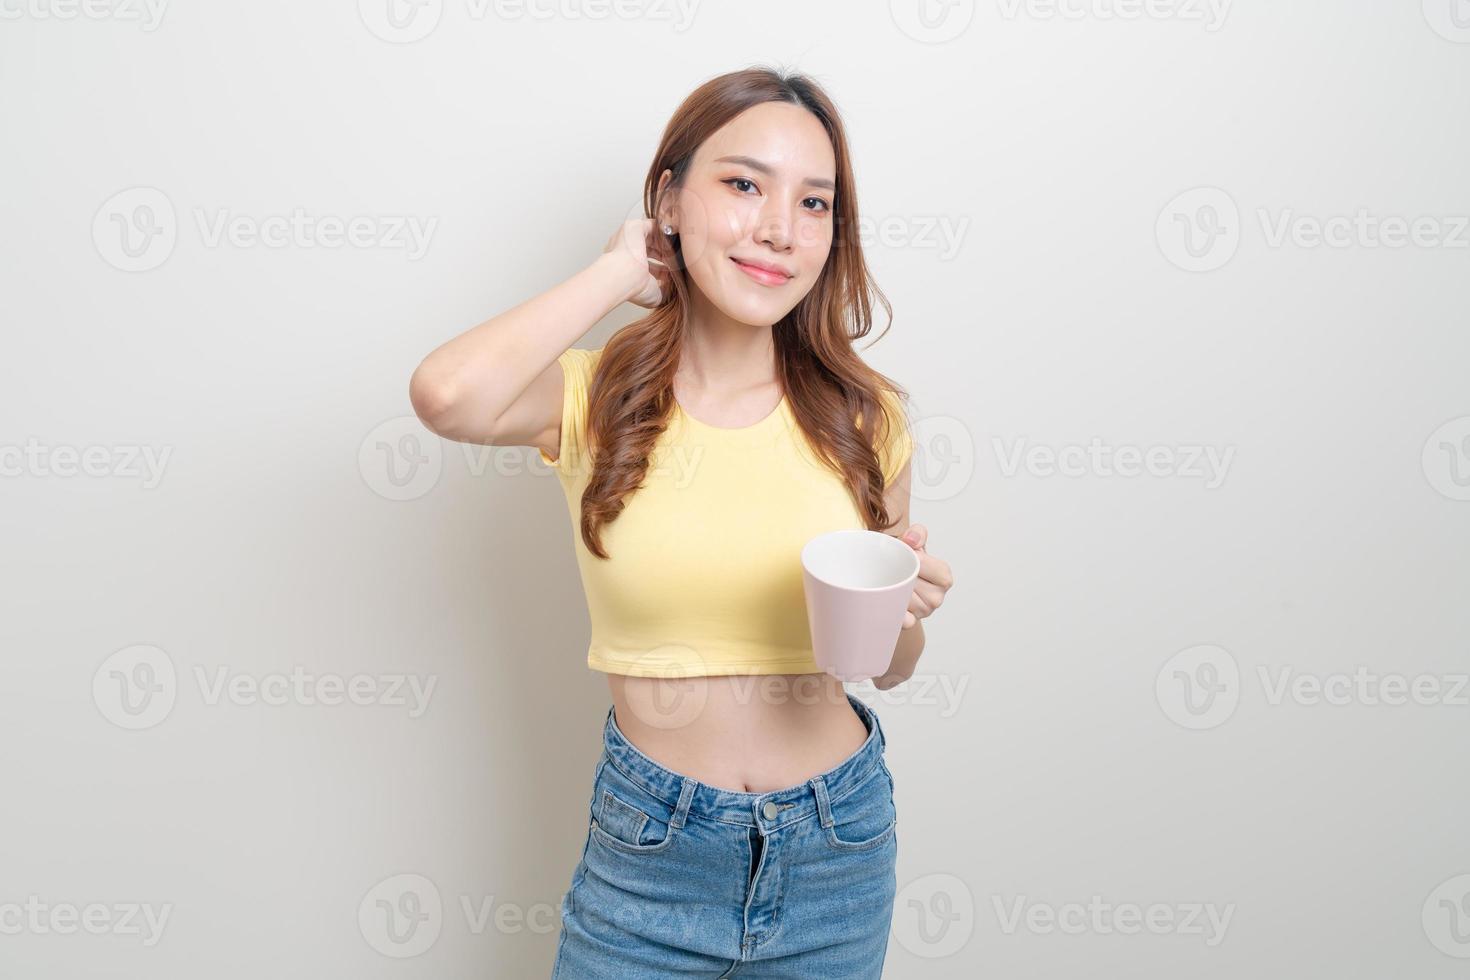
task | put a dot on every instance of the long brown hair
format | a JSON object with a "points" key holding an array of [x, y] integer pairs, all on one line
{"points": [[827, 385]]}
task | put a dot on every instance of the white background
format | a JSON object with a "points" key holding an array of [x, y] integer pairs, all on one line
{"points": [[1027, 162]]}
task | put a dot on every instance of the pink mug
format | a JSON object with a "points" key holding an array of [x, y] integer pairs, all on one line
{"points": [[858, 584]]}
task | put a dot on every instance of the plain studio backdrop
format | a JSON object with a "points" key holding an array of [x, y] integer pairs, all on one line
{"points": [[293, 689]]}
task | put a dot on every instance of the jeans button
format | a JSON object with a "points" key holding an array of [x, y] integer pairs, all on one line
{"points": [[769, 811]]}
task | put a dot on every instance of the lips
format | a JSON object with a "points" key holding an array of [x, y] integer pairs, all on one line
{"points": [[762, 274]]}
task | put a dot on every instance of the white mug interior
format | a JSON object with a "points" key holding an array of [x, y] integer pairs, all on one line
{"points": [[860, 559]]}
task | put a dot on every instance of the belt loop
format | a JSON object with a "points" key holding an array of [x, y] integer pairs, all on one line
{"points": [[686, 796], [824, 805]]}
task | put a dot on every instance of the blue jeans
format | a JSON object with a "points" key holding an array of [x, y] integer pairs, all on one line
{"points": [[680, 879]]}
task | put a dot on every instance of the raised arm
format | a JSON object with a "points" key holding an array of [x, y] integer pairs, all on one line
{"points": [[498, 383]]}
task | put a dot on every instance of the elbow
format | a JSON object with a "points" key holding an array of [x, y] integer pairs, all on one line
{"points": [[888, 682], [432, 399]]}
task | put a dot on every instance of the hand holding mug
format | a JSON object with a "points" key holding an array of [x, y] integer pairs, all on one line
{"points": [[935, 578]]}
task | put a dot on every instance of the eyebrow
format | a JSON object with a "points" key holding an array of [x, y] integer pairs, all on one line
{"points": [[755, 164]]}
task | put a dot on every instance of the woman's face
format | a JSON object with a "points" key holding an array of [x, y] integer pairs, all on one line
{"points": [[758, 192]]}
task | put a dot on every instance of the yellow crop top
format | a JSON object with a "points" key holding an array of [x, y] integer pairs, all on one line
{"points": [[705, 569]]}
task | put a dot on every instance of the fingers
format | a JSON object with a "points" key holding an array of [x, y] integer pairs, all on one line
{"points": [[916, 535], [927, 597], [937, 571], [634, 233], [918, 608]]}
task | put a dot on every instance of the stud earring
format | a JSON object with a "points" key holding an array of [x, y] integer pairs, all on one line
{"points": [[668, 230]]}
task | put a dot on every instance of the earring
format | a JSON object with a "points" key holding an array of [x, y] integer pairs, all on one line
{"points": [[668, 230]]}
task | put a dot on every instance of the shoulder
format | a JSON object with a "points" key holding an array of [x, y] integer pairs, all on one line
{"points": [[895, 405], [578, 365], [891, 437], [898, 443], [581, 356], [894, 410]]}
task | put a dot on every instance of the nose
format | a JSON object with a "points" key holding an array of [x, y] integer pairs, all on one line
{"points": [[775, 228]]}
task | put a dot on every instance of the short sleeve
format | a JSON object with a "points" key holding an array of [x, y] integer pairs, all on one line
{"points": [[899, 445], [577, 367]]}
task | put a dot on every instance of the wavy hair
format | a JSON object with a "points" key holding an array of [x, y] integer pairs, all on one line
{"points": [[829, 388]]}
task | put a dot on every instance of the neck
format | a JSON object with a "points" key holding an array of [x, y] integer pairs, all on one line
{"points": [[723, 353]]}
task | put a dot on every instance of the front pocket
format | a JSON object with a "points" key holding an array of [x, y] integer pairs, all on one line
{"points": [[626, 827], [866, 817]]}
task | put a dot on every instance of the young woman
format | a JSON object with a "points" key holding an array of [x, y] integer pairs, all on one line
{"points": [[742, 819]]}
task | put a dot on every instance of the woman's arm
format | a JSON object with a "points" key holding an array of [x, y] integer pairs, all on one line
{"points": [[905, 657], [910, 641], [498, 383]]}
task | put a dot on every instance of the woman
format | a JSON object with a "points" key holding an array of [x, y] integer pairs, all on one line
{"points": [[742, 817]]}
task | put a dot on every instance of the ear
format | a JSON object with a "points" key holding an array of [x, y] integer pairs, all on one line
{"points": [[666, 213]]}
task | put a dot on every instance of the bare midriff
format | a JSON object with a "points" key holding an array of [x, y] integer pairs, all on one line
{"points": [[750, 733]]}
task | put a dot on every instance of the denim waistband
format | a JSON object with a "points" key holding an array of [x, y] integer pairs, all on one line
{"points": [[768, 811]]}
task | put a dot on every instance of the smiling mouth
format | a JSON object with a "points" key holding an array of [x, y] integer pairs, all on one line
{"points": [[763, 276]]}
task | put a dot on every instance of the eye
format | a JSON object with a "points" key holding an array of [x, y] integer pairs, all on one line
{"points": [[823, 205]]}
